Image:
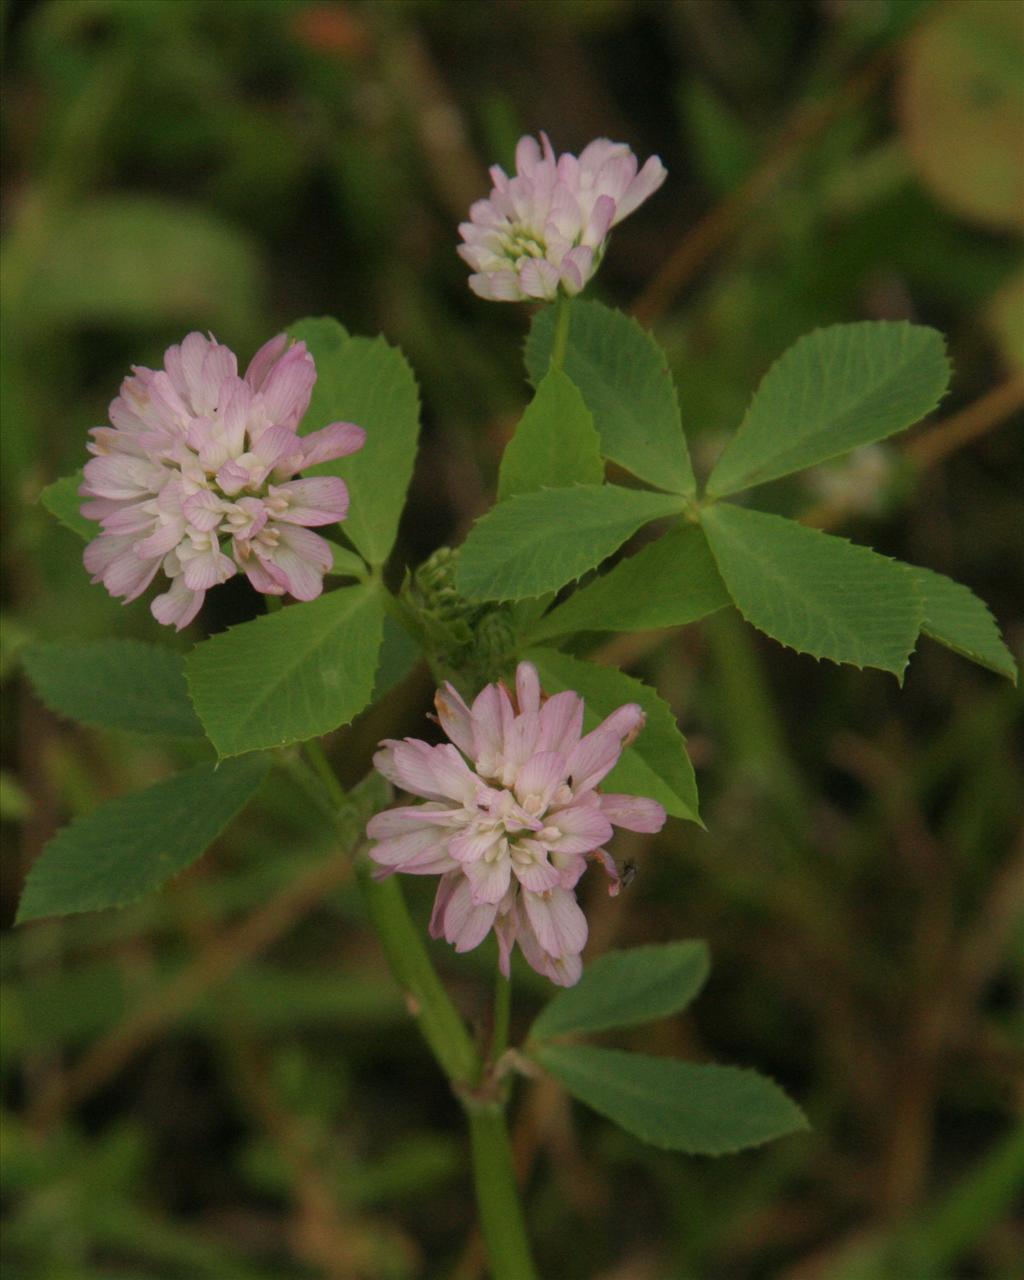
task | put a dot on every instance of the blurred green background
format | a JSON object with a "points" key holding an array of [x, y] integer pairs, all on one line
{"points": [[222, 1082]]}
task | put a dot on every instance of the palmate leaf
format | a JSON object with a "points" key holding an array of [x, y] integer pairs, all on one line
{"points": [[116, 684], [625, 380], [656, 764], [671, 581], [813, 592], [555, 443], [624, 988], [291, 675], [833, 390], [538, 542], [130, 846], [679, 1106], [955, 617], [365, 381]]}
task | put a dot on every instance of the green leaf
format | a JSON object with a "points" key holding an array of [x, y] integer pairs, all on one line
{"points": [[138, 260], [656, 764], [813, 592], [61, 499], [365, 381], [555, 443], [132, 845], [345, 563], [833, 390], [624, 988], [678, 1106], [671, 581], [290, 675], [399, 653], [538, 542], [116, 684], [625, 380], [955, 617]]}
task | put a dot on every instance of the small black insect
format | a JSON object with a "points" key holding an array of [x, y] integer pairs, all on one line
{"points": [[627, 874]]}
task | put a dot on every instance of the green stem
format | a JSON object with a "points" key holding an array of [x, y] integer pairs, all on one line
{"points": [[561, 340], [497, 1197], [317, 757], [442, 1027]]}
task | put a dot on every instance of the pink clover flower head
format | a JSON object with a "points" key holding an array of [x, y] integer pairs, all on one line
{"points": [[510, 812], [546, 228], [195, 478]]}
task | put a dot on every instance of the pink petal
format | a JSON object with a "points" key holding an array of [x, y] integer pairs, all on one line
{"points": [[287, 387], [265, 359], [646, 182], [583, 828], [178, 606], [527, 687], [594, 756], [561, 720], [558, 922], [454, 716], [472, 845], [335, 441], [398, 851], [434, 772], [301, 558], [537, 877], [538, 278], [488, 881], [625, 722], [315, 501], [634, 813], [396, 822], [538, 778], [467, 923]]}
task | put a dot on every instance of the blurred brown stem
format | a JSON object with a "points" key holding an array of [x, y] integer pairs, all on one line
{"points": [[714, 229], [216, 962]]}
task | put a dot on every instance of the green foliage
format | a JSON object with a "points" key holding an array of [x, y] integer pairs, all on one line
{"points": [[555, 443], [813, 592], [680, 1106], [624, 988], [292, 675], [538, 542], [656, 764], [671, 581], [833, 390], [61, 499], [955, 617], [368, 382], [132, 845], [399, 653], [346, 564], [135, 259], [116, 684], [625, 380]]}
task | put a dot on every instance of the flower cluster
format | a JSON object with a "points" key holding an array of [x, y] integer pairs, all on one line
{"points": [[197, 457], [546, 228], [510, 832]]}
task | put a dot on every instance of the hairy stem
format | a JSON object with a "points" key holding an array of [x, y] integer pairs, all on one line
{"points": [[560, 342], [443, 1029], [497, 1196]]}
